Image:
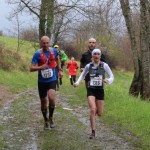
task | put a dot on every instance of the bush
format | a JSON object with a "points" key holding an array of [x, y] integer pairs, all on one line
{"points": [[11, 61]]}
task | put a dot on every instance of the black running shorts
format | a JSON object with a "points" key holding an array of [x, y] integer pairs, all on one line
{"points": [[44, 87], [98, 93]]}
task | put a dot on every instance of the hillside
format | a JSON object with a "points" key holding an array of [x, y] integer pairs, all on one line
{"points": [[11, 59], [14, 66]]}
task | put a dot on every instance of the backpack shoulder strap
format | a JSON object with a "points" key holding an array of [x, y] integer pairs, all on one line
{"points": [[101, 65]]}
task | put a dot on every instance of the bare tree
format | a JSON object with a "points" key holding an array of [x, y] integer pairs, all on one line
{"points": [[17, 28], [31, 34], [145, 47], [44, 10], [141, 80], [101, 20]]}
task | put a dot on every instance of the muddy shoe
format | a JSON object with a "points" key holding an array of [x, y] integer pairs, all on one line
{"points": [[52, 125], [46, 126], [92, 136]]}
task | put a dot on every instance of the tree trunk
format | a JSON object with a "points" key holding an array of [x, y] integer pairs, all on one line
{"points": [[46, 17], [145, 48], [42, 19], [50, 17], [136, 82]]}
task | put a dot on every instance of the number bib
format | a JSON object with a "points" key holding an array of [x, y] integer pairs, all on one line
{"points": [[96, 81], [47, 73]]}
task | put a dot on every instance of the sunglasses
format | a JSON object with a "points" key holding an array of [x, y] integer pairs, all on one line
{"points": [[96, 53]]}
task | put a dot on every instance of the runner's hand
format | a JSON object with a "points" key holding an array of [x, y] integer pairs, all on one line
{"points": [[81, 69], [60, 74], [44, 66], [75, 85], [105, 81]]}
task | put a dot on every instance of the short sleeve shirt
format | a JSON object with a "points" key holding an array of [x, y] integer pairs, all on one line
{"points": [[37, 59]]}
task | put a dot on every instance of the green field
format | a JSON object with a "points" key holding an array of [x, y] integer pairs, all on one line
{"points": [[26, 48], [126, 113]]}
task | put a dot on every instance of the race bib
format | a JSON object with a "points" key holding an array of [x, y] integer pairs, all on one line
{"points": [[47, 73], [96, 81]]}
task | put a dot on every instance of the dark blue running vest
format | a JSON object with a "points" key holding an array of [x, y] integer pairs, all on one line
{"points": [[96, 72]]}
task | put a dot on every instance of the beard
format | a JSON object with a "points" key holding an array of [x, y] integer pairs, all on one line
{"points": [[91, 48]]}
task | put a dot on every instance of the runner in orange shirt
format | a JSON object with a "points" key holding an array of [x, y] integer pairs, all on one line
{"points": [[72, 67]]}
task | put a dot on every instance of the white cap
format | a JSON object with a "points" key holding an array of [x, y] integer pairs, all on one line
{"points": [[96, 50]]}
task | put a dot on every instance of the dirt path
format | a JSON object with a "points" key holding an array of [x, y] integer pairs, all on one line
{"points": [[21, 124], [18, 129], [107, 139]]}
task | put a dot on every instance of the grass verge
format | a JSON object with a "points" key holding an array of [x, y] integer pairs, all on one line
{"points": [[18, 81], [121, 112]]}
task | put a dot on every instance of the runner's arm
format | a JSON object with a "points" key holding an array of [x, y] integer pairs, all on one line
{"points": [[82, 75], [58, 62], [35, 67], [109, 73]]}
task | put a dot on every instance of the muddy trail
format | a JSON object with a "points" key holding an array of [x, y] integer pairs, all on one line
{"points": [[22, 127]]}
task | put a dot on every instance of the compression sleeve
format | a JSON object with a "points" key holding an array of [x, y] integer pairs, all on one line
{"points": [[83, 74], [109, 73]]}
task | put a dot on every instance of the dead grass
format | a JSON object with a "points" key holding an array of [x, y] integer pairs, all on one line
{"points": [[11, 60], [5, 95]]}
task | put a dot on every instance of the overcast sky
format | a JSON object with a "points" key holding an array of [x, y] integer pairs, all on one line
{"points": [[5, 24], [4, 11]]}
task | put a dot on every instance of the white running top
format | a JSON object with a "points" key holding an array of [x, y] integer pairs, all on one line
{"points": [[86, 70]]}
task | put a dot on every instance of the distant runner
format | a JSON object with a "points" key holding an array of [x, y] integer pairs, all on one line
{"points": [[72, 67], [63, 58]]}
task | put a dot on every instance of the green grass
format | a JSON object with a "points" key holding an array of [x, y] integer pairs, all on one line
{"points": [[122, 110], [15, 79], [126, 111], [18, 81], [11, 43]]}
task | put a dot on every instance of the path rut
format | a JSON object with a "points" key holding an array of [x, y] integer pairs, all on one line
{"points": [[23, 134]]}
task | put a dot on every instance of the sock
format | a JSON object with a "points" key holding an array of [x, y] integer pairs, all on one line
{"points": [[93, 131], [71, 81], [57, 83], [44, 112], [60, 81], [51, 111]]}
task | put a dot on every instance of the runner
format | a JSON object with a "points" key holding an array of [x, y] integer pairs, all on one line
{"points": [[44, 61], [57, 72], [95, 86], [86, 57], [63, 58], [72, 67]]}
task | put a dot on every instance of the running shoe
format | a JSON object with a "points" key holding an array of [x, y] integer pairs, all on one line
{"points": [[92, 135], [52, 125]]}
